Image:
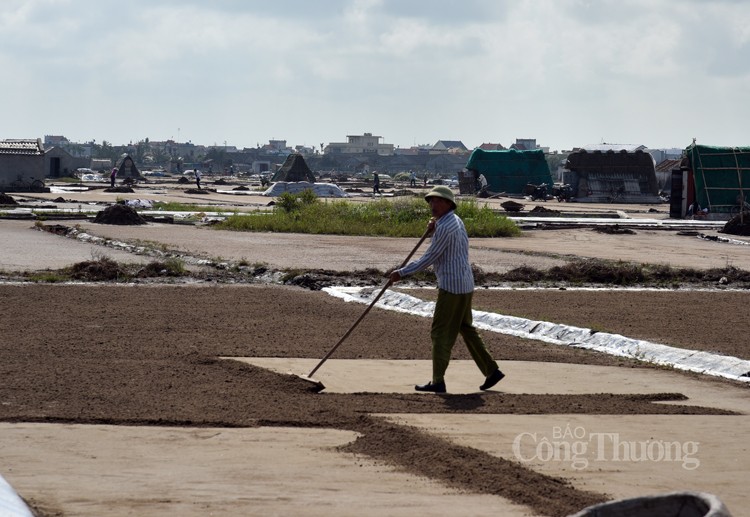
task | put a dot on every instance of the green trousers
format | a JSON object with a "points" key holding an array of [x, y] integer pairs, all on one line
{"points": [[453, 317]]}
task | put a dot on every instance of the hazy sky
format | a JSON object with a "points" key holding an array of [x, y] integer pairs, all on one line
{"points": [[566, 72]]}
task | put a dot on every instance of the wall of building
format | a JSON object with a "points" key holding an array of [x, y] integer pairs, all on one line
{"points": [[15, 166]]}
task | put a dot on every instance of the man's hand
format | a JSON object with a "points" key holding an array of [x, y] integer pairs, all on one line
{"points": [[395, 276], [431, 225]]}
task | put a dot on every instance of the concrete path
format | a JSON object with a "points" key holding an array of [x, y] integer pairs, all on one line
{"points": [[26, 249], [119, 470], [640, 454], [94, 470]]}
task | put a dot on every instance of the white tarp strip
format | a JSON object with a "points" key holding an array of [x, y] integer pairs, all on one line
{"points": [[294, 187], [10, 504], [691, 360]]}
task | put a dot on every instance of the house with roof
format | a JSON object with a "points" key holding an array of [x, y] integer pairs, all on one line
{"points": [[360, 144], [58, 162], [21, 162], [449, 146], [524, 144], [491, 147]]}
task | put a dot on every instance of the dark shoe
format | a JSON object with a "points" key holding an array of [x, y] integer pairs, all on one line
{"points": [[492, 379], [437, 387]]}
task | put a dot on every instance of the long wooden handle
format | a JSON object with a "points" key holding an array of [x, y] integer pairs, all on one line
{"points": [[372, 304]]}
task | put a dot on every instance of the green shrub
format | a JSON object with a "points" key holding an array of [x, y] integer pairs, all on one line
{"points": [[404, 217]]}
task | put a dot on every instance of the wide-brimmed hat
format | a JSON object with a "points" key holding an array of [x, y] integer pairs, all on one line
{"points": [[441, 191]]}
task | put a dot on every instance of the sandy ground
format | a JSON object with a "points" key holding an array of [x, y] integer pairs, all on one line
{"points": [[116, 399], [539, 248]]}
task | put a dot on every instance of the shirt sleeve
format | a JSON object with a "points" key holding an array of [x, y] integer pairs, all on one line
{"points": [[437, 247]]}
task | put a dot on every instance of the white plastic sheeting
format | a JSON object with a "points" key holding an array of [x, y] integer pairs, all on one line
{"points": [[691, 360], [294, 187], [139, 203], [11, 505]]}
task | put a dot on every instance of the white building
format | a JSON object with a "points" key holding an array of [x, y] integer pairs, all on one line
{"points": [[360, 144]]}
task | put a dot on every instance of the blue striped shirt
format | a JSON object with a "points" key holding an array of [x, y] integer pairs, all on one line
{"points": [[449, 254]]}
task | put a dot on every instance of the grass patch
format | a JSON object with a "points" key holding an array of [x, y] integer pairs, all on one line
{"points": [[403, 217], [619, 273], [46, 277], [172, 206], [171, 267]]}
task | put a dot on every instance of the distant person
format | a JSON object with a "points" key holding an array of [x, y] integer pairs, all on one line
{"points": [[482, 182], [413, 179], [112, 177], [695, 210], [425, 180], [376, 184], [197, 178]]}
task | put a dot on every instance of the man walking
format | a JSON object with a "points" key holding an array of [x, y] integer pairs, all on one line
{"points": [[376, 184], [449, 254]]}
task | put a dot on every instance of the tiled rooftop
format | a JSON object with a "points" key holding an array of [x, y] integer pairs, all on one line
{"points": [[26, 147]]}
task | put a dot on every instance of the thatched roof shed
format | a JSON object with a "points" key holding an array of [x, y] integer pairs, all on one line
{"points": [[127, 168], [601, 176], [294, 169]]}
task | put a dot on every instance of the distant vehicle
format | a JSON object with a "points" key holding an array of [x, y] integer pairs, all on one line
{"points": [[451, 182], [93, 177], [157, 174], [562, 192], [536, 192]]}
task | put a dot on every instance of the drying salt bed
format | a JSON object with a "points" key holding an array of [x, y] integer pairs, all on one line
{"points": [[145, 370]]}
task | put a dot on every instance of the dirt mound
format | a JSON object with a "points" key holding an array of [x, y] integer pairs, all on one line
{"points": [[613, 229], [486, 194], [57, 229], [101, 270], [119, 214], [538, 209], [221, 181], [59, 200], [512, 206], [241, 187], [199, 191], [403, 192], [317, 279], [122, 189], [183, 180], [5, 199], [736, 226]]}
